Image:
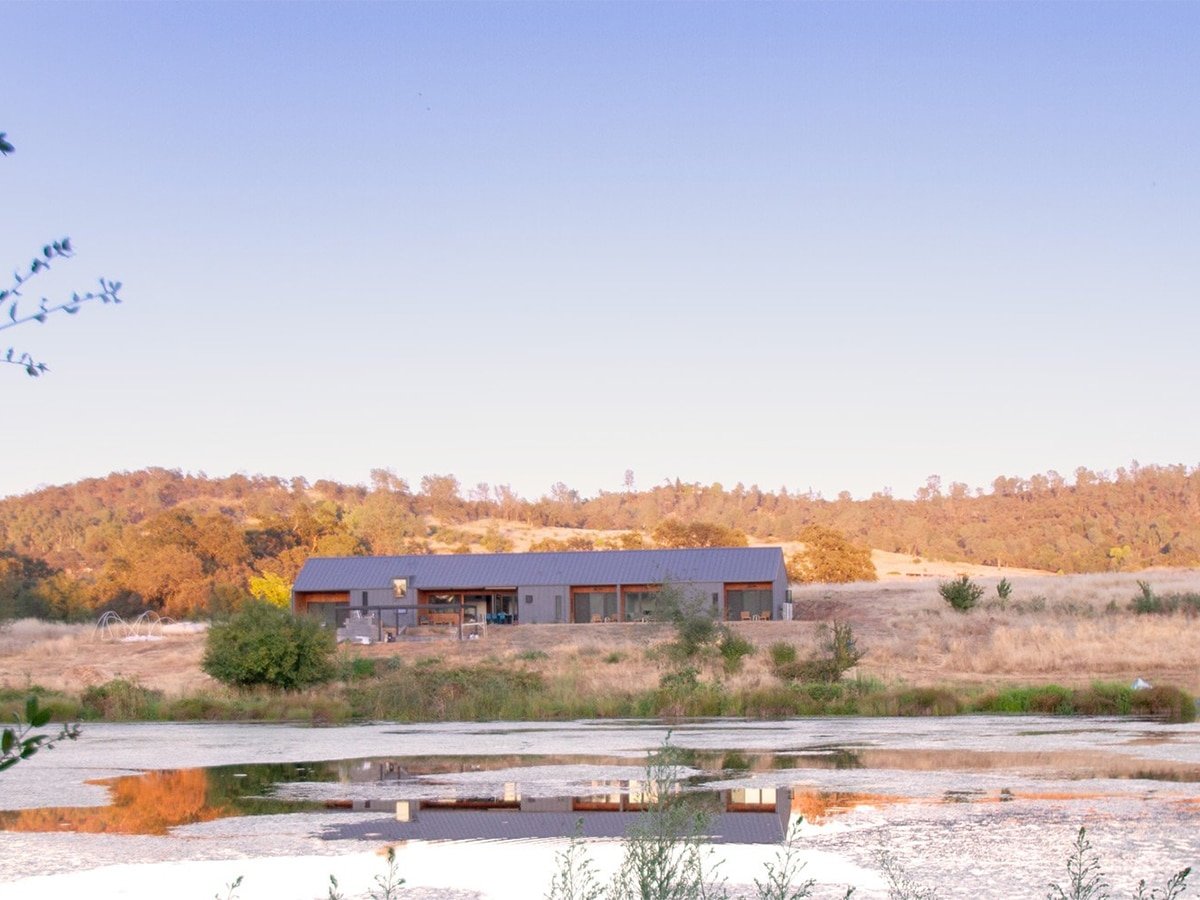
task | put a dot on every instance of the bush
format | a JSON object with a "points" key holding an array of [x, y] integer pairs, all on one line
{"points": [[1169, 702], [434, 692], [840, 648], [734, 648], [838, 652], [962, 593], [695, 628], [352, 668], [1004, 589], [263, 644], [120, 700], [782, 653], [1150, 603]]}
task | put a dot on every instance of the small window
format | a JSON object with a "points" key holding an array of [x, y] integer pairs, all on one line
{"points": [[714, 598], [399, 588], [364, 598], [529, 598]]}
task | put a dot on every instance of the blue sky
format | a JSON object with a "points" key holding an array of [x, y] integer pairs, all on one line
{"points": [[837, 247]]}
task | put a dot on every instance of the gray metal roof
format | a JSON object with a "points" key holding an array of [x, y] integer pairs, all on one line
{"points": [[499, 825], [709, 564]]}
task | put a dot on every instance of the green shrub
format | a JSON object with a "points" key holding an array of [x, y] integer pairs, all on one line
{"points": [[734, 649], [695, 628], [782, 653], [824, 693], [1050, 699], [351, 668], [962, 593], [263, 644], [839, 648], [1150, 603], [1004, 589], [838, 652], [925, 701], [61, 706], [1168, 702], [532, 655], [120, 701], [1145, 602], [1103, 699], [680, 681], [434, 692]]}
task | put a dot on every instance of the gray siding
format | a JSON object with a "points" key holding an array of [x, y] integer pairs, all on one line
{"points": [[543, 607], [703, 591], [779, 588]]}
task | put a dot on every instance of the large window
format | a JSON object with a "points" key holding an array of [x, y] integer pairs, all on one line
{"points": [[640, 604], [327, 613], [594, 605], [749, 602]]}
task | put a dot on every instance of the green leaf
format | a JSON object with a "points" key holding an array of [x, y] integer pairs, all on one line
{"points": [[7, 740]]}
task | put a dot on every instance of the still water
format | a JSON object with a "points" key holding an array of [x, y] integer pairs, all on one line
{"points": [[979, 807]]}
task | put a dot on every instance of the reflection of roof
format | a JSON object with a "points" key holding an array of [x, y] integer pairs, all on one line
{"points": [[501, 825], [709, 564]]}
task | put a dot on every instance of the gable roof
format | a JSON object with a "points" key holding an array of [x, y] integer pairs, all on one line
{"points": [[708, 564]]}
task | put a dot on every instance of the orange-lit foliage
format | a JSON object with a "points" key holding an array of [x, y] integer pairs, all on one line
{"points": [[152, 803], [818, 806], [674, 533], [549, 545], [829, 558], [163, 540]]}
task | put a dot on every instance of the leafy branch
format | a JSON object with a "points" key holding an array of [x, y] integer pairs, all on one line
{"points": [[60, 249], [16, 743]]}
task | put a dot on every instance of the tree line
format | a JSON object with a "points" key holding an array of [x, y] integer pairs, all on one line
{"points": [[187, 544]]}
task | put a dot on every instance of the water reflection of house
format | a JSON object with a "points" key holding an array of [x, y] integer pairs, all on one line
{"points": [[741, 816], [581, 587]]}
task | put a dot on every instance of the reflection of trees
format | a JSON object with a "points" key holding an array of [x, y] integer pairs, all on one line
{"points": [[155, 802], [247, 790], [141, 804], [818, 806]]}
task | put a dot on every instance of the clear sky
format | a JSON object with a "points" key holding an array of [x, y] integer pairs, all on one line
{"points": [[837, 247]]}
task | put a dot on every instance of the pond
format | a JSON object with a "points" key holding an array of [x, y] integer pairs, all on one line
{"points": [[976, 806]]}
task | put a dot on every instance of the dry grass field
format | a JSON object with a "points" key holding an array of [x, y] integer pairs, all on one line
{"points": [[1070, 630]]}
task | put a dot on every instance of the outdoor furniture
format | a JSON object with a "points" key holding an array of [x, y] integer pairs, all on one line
{"points": [[745, 615]]}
